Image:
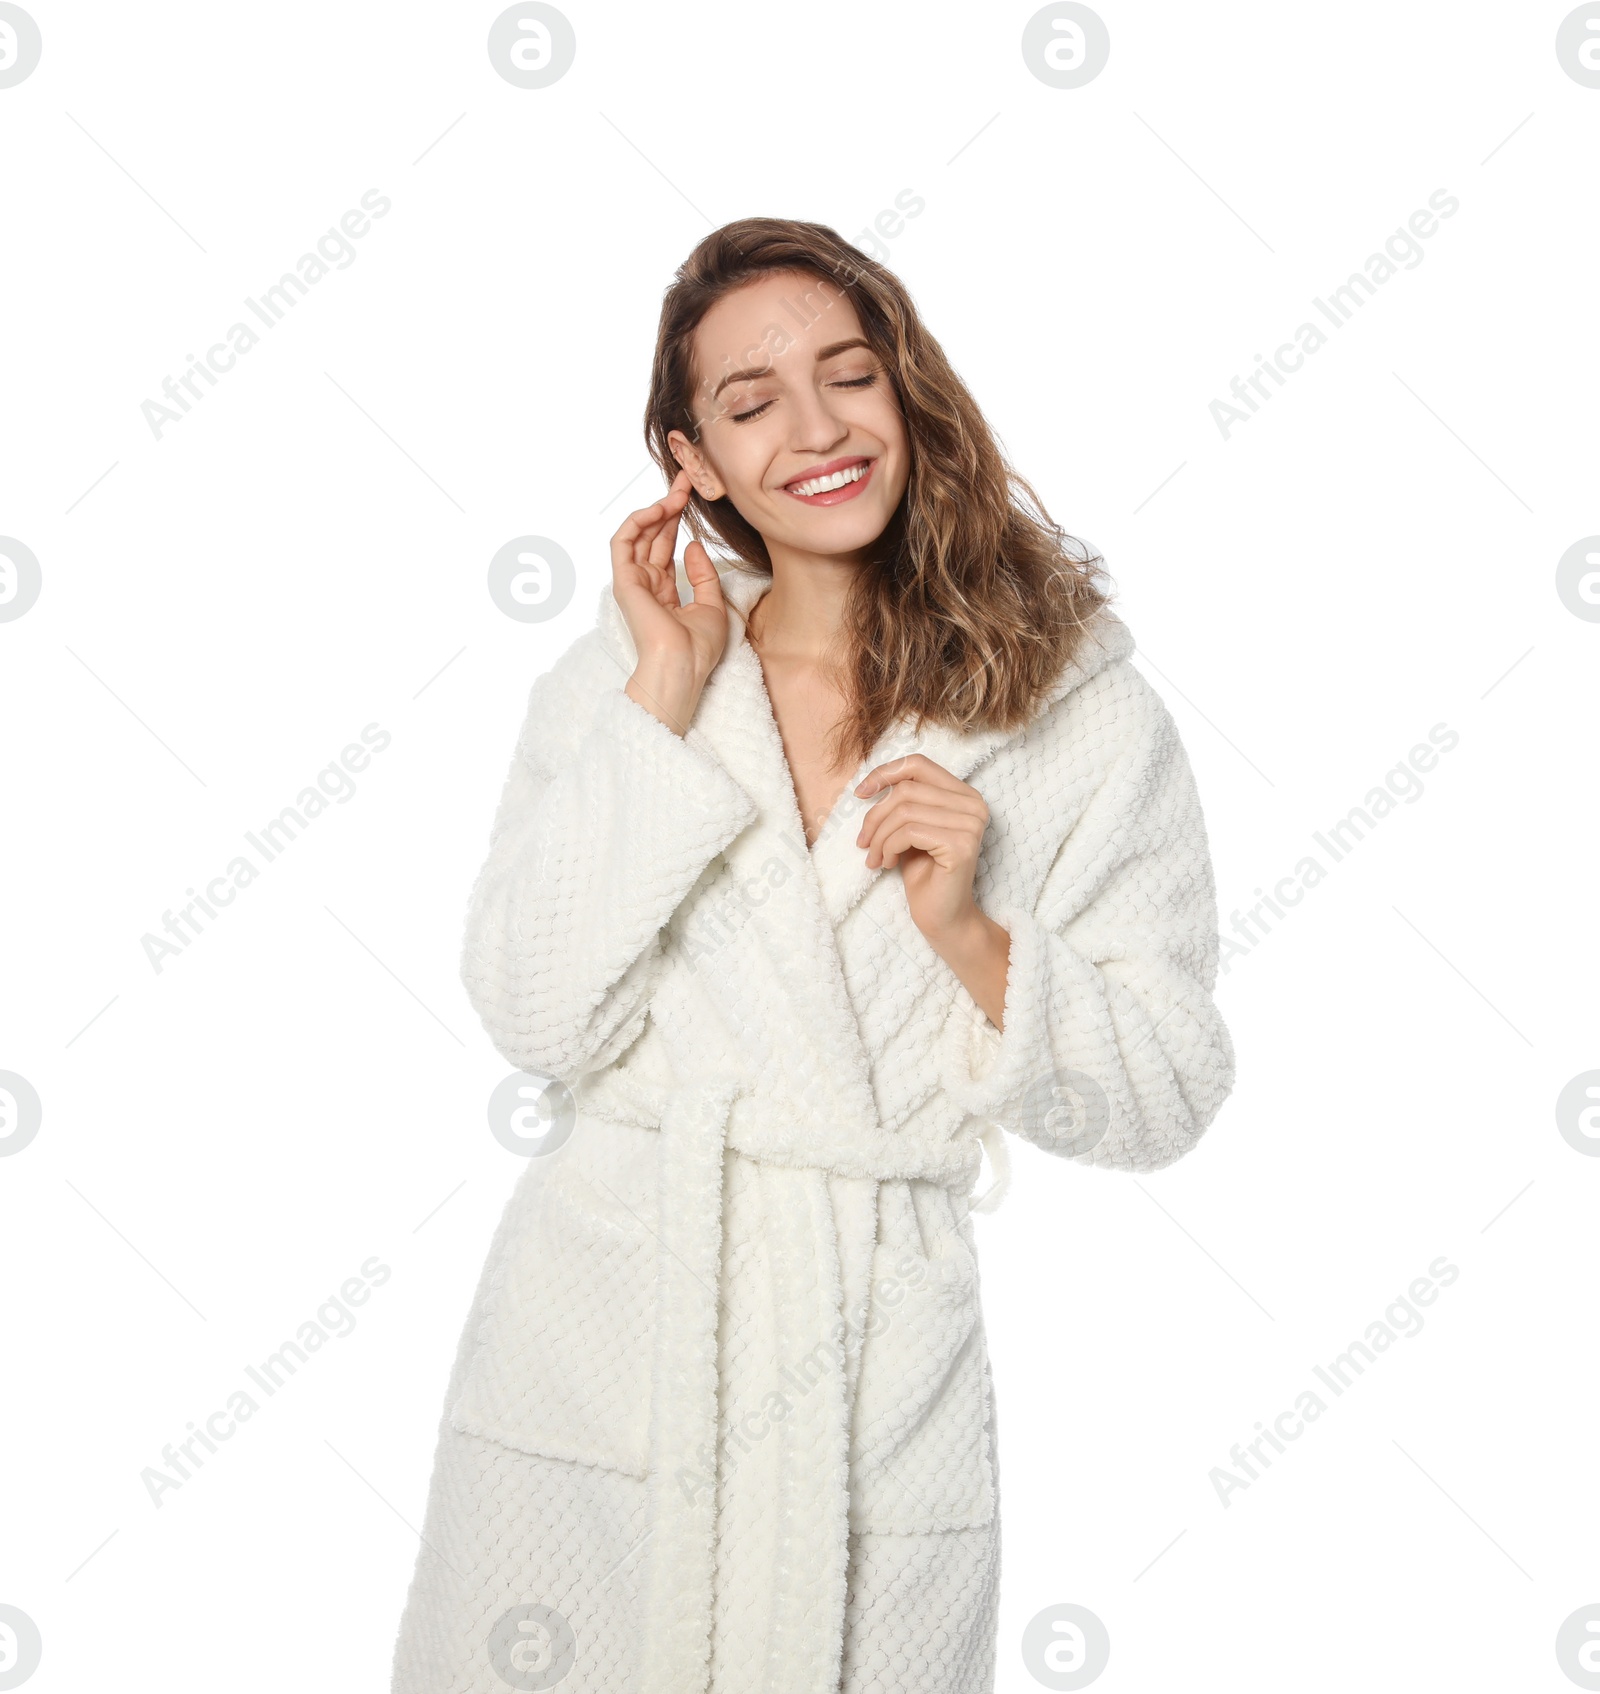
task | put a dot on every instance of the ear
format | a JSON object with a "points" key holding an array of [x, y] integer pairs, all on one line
{"points": [[706, 481]]}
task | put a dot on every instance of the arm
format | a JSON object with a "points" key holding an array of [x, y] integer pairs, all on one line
{"points": [[608, 818], [1112, 1050], [978, 950]]}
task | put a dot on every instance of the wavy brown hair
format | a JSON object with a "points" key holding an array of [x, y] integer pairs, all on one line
{"points": [[973, 599]]}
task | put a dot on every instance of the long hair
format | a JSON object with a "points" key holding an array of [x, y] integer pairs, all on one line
{"points": [[973, 599]]}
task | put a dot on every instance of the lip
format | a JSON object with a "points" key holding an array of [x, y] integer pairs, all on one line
{"points": [[833, 496]]}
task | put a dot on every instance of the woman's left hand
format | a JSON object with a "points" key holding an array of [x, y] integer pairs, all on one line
{"points": [[931, 825]]}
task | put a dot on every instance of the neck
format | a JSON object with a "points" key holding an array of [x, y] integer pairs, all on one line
{"points": [[799, 615]]}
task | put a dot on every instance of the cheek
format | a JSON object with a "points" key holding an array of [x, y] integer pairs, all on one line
{"points": [[890, 428], [885, 421], [739, 456]]}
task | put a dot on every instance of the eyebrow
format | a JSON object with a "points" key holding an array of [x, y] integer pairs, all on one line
{"points": [[766, 370]]}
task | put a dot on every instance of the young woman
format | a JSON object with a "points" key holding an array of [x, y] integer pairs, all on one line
{"points": [[876, 846]]}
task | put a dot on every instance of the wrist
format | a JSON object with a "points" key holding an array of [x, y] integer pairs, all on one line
{"points": [[968, 936], [978, 951], [667, 689]]}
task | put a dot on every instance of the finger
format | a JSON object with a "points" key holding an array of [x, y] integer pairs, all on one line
{"points": [[664, 543], [636, 522], [957, 832], [625, 549], [631, 568], [702, 574], [646, 541], [909, 766], [955, 821], [878, 814], [960, 802], [941, 826], [644, 522], [931, 835]]}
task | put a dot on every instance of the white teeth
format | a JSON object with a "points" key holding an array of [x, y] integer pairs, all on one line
{"points": [[822, 484]]}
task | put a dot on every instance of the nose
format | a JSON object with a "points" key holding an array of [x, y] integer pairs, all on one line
{"points": [[816, 427]]}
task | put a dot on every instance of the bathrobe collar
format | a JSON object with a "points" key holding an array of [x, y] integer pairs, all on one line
{"points": [[734, 720]]}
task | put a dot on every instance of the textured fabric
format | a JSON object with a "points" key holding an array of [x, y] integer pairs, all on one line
{"points": [[722, 1416]]}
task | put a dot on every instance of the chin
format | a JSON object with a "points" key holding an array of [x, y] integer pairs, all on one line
{"points": [[837, 531]]}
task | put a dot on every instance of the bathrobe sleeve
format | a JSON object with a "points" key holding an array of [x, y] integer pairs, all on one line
{"points": [[606, 821], [1113, 1051]]}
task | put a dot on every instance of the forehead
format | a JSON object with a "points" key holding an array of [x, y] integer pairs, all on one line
{"points": [[785, 316]]}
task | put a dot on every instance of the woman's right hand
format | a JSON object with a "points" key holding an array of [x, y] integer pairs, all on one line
{"points": [[677, 646]]}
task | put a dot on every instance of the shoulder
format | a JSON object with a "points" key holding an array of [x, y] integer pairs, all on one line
{"points": [[1102, 708], [1104, 771], [602, 655], [1106, 747], [562, 697]]}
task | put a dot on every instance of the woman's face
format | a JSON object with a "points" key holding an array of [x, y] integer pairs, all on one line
{"points": [[798, 421]]}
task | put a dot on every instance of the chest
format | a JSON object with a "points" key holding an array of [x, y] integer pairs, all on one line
{"points": [[807, 707]]}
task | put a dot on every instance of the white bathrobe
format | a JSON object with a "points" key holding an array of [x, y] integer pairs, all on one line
{"points": [[722, 1418]]}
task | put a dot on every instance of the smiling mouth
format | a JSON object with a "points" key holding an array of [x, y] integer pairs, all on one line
{"points": [[831, 485]]}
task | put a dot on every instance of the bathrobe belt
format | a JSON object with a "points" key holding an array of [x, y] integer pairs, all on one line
{"points": [[813, 1498]]}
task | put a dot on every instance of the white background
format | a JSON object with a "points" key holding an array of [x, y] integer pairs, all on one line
{"points": [[224, 608]]}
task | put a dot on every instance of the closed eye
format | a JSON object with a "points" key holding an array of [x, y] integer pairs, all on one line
{"points": [[852, 382]]}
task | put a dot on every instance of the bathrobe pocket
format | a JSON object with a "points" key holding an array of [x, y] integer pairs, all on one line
{"points": [[561, 1361], [919, 1457]]}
